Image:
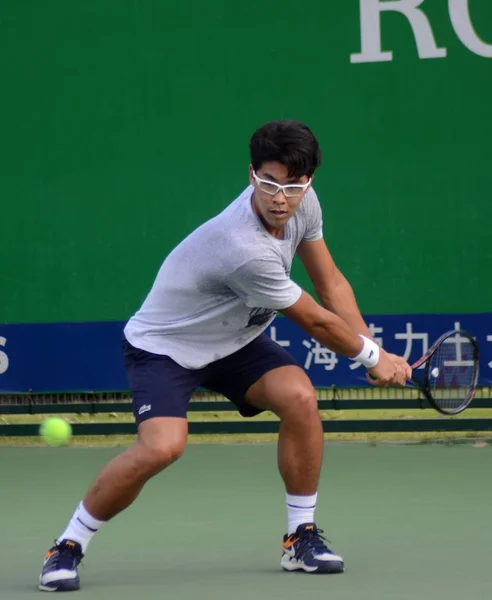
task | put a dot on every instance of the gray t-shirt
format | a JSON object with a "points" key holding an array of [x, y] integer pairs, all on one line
{"points": [[222, 285]]}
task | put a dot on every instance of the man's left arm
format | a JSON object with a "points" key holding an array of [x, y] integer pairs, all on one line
{"points": [[334, 291]]}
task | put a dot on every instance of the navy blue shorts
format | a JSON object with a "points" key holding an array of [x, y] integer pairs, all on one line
{"points": [[162, 388]]}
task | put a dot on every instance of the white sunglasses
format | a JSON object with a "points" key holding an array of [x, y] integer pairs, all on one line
{"points": [[291, 190]]}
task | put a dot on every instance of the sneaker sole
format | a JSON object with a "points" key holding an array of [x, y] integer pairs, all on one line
{"points": [[61, 586], [332, 568]]}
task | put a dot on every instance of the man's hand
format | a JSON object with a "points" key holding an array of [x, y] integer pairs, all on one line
{"points": [[388, 371], [402, 363]]}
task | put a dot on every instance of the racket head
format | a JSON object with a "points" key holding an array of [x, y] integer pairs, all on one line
{"points": [[451, 371]]}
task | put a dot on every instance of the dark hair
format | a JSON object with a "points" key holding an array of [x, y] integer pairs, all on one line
{"points": [[287, 142]]}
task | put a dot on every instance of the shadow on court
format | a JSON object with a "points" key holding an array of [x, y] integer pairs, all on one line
{"points": [[410, 521]]}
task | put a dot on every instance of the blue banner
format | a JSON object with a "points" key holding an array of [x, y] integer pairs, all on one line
{"points": [[87, 356]]}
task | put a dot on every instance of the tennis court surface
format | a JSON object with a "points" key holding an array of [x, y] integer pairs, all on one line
{"points": [[411, 521]]}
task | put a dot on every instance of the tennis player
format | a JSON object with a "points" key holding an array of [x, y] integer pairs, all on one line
{"points": [[203, 325]]}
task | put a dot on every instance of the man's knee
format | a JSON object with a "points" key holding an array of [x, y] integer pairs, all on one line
{"points": [[164, 454], [299, 402], [160, 446]]}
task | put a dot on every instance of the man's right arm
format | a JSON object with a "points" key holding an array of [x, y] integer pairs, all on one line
{"points": [[262, 282], [334, 333]]}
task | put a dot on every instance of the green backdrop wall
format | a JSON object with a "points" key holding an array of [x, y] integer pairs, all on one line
{"points": [[125, 123]]}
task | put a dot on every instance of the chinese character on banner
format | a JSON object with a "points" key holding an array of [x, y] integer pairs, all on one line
{"points": [[374, 330], [321, 355], [458, 341], [273, 335], [489, 339], [409, 336]]}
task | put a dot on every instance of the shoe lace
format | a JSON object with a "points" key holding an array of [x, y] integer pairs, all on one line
{"points": [[312, 542], [66, 557]]}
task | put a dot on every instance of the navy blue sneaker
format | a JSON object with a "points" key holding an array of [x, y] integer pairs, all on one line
{"points": [[59, 572], [306, 550]]}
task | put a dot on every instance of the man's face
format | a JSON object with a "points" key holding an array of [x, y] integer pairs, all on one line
{"points": [[275, 209]]}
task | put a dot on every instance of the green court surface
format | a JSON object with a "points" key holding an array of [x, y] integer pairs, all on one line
{"points": [[412, 522]]}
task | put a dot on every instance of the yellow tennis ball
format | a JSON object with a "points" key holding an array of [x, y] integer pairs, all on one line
{"points": [[55, 431]]}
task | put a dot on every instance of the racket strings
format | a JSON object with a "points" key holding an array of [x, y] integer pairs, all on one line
{"points": [[452, 373]]}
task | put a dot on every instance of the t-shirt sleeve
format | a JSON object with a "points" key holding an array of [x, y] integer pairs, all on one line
{"points": [[263, 283], [314, 217]]}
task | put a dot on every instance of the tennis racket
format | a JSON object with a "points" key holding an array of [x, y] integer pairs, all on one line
{"points": [[450, 372]]}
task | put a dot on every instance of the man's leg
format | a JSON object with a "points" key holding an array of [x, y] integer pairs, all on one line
{"points": [[288, 393], [160, 390], [160, 442], [264, 376]]}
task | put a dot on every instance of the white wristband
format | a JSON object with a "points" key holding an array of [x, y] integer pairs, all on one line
{"points": [[369, 355]]}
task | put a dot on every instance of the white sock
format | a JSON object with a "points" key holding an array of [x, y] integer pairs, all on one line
{"points": [[300, 510], [82, 528]]}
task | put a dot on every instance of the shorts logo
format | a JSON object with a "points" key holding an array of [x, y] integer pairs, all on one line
{"points": [[145, 408]]}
